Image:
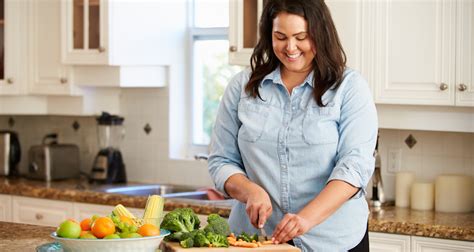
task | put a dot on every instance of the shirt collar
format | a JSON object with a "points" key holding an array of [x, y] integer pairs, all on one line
{"points": [[275, 77]]}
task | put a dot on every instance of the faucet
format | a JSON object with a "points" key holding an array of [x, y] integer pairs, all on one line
{"points": [[201, 156]]}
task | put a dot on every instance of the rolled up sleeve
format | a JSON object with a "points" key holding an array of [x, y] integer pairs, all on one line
{"points": [[224, 157], [357, 135]]}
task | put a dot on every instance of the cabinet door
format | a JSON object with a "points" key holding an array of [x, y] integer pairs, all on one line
{"points": [[379, 242], [48, 74], [243, 26], [465, 54], [40, 211], [84, 31], [423, 244], [12, 47], [414, 44], [5, 207]]}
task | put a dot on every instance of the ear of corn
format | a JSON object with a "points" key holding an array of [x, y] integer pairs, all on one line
{"points": [[154, 210], [120, 210]]}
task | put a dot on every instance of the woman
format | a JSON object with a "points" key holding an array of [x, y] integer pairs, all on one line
{"points": [[294, 136]]}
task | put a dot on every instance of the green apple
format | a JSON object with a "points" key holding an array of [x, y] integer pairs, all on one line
{"points": [[87, 235], [112, 236], [69, 229], [131, 235]]}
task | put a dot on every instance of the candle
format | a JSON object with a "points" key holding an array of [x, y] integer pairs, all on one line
{"points": [[403, 182], [422, 196]]}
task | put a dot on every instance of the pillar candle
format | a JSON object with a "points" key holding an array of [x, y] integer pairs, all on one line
{"points": [[403, 182], [422, 196]]}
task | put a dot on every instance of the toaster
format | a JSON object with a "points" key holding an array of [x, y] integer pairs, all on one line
{"points": [[53, 161]]}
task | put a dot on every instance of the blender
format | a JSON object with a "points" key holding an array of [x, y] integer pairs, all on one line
{"points": [[108, 165]]}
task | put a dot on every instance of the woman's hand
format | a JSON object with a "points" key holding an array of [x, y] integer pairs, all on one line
{"points": [[259, 206], [291, 226]]}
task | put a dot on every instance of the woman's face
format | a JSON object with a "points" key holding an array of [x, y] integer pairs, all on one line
{"points": [[291, 42]]}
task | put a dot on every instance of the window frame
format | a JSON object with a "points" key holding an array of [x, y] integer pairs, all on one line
{"points": [[196, 34]]}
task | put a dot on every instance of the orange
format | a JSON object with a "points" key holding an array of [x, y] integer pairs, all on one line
{"points": [[102, 227], [126, 219], [86, 224], [148, 230]]}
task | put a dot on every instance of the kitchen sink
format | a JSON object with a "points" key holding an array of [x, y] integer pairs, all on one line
{"points": [[166, 191]]}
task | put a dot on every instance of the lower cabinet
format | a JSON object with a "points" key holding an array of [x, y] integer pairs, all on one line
{"points": [[5, 207], [40, 211], [83, 210], [382, 242]]}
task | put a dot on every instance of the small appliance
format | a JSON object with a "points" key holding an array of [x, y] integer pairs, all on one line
{"points": [[108, 165], [10, 153], [53, 161]]}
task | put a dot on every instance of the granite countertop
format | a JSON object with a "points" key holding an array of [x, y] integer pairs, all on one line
{"points": [[388, 219], [23, 237]]}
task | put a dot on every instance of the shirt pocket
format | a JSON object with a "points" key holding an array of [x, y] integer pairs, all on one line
{"points": [[320, 126], [253, 116]]}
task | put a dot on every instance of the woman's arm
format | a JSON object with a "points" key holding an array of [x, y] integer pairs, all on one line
{"points": [[324, 205], [258, 203]]}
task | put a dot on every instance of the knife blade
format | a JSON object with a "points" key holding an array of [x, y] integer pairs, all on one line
{"points": [[263, 235]]}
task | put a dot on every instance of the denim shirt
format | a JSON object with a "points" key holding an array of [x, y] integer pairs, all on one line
{"points": [[292, 148]]}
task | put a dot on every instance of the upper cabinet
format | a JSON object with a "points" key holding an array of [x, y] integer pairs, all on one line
{"points": [[423, 52], [107, 32], [12, 45], [47, 74], [243, 29]]}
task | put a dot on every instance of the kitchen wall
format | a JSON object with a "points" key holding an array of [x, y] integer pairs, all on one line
{"points": [[147, 155]]}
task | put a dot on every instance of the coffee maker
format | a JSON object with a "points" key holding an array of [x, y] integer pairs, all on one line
{"points": [[108, 165]]}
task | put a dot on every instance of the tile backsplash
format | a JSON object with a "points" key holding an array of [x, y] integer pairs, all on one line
{"points": [[147, 155]]}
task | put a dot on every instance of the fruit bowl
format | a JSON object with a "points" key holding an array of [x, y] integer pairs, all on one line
{"points": [[149, 243]]}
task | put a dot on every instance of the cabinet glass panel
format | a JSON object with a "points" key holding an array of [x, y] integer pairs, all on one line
{"points": [[94, 24], [252, 12], [78, 24], [2, 39]]}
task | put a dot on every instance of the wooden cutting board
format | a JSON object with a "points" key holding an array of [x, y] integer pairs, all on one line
{"points": [[175, 247]]}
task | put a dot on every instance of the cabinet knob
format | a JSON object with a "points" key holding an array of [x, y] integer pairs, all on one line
{"points": [[233, 48], [39, 216], [63, 80], [462, 87], [443, 86], [10, 80], [101, 49]]}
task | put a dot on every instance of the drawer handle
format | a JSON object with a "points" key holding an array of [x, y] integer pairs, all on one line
{"points": [[39, 216], [10, 81], [101, 49], [63, 80], [462, 87], [233, 48], [443, 86]]}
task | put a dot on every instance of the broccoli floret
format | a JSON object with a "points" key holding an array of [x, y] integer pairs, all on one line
{"points": [[247, 237], [218, 225], [181, 220], [217, 240], [200, 239], [187, 243]]}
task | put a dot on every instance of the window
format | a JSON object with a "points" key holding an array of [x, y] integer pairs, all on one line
{"points": [[210, 69]]}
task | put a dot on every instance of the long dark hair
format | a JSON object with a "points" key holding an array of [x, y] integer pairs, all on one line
{"points": [[329, 61]]}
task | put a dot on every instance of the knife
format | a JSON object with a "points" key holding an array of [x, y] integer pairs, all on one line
{"points": [[263, 235]]}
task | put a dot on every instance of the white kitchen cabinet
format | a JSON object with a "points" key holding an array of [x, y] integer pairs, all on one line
{"points": [[12, 45], [108, 32], [5, 207], [47, 74], [424, 244], [423, 52], [381, 242], [41, 212]]}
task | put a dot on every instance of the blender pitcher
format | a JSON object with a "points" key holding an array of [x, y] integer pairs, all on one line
{"points": [[108, 165]]}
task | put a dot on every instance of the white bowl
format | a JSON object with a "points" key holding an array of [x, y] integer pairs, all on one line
{"points": [[149, 243]]}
